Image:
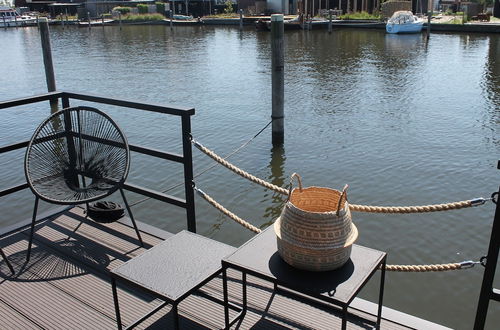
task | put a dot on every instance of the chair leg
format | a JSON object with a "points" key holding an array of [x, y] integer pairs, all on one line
{"points": [[132, 218], [7, 261], [35, 209]]}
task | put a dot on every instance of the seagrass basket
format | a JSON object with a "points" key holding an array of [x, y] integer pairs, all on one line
{"points": [[315, 231]]}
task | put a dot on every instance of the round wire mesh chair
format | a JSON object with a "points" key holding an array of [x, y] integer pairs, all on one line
{"points": [[77, 155]]}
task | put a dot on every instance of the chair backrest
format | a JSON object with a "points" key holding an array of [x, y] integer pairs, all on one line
{"points": [[76, 155]]}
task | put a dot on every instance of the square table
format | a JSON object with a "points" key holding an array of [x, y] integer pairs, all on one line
{"points": [[171, 271], [259, 257]]}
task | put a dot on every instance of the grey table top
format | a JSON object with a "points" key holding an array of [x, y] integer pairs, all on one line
{"points": [[173, 268], [260, 257]]}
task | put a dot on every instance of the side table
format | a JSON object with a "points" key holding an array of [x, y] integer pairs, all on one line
{"points": [[259, 257], [171, 271]]}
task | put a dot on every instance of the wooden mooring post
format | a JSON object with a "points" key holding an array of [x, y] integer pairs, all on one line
{"points": [[330, 21], [171, 18], [43, 25], [88, 18], [241, 19], [429, 17], [278, 79], [120, 19]]}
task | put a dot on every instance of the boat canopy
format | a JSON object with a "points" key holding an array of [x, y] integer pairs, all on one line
{"points": [[402, 17]]}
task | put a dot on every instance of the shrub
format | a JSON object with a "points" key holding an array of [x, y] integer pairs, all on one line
{"points": [[229, 7], [143, 9], [360, 15], [143, 18], [160, 7], [122, 10]]}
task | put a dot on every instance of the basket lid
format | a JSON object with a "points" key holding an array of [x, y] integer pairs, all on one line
{"points": [[349, 241]]}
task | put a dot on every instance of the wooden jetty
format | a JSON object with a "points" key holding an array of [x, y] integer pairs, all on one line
{"points": [[66, 285]]}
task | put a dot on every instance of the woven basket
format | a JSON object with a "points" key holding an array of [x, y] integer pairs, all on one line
{"points": [[315, 231]]}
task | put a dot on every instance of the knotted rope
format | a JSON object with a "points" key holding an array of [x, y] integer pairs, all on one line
{"points": [[353, 207]]}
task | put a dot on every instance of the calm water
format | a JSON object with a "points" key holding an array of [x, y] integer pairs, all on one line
{"points": [[402, 122]]}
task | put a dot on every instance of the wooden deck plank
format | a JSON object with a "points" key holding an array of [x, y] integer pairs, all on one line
{"points": [[12, 319], [66, 286]]}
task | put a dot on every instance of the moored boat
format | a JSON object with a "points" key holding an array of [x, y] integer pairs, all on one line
{"points": [[10, 18], [404, 22]]}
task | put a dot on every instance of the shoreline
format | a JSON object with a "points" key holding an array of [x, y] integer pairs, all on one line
{"points": [[479, 27]]}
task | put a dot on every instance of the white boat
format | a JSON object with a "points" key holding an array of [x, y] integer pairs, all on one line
{"points": [[10, 18], [404, 22]]}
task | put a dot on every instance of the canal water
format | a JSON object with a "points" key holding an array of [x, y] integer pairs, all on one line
{"points": [[402, 121]]}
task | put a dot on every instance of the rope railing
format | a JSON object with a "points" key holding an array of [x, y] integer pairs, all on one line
{"points": [[353, 207], [391, 268]]}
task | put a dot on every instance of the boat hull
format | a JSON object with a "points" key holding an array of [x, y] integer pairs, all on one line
{"points": [[404, 28]]}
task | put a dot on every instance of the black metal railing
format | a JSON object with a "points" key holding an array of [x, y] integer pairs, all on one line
{"points": [[186, 158], [487, 291]]}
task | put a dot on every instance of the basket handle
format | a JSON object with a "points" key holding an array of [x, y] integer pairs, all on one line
{"points": [[343, 195], [299, 179]]}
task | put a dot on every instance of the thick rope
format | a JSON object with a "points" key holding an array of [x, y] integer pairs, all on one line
{"points": [[390, 268], [411, 209], [231, 215], [353, 207], [424, 268], [238, 170]]}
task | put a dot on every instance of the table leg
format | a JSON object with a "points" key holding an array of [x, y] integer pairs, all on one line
{"points": [[381, 293], [117, 307], [226, 299], [344, 318], [244, 284], [175, 313]]}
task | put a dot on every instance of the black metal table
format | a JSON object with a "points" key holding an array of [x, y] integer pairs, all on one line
{"points": [[259, 257], [171, 271]]}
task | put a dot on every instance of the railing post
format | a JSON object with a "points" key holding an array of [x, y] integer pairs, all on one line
{"points": [[489, 272], [188, 173], [278, 79], [65, 102]]}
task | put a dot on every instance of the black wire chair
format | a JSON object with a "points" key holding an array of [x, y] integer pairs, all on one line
{"points": [[7, 261], [77, 155]]}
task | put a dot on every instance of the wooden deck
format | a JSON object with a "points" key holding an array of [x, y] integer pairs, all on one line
{"points": [[66, 286]]}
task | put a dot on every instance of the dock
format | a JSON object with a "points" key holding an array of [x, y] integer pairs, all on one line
{"points": [[66, 285]]}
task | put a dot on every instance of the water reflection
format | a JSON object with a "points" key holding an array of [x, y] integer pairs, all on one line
{"points": [[274, 199], [491, 83]]}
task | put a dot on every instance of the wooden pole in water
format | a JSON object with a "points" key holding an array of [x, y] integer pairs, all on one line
{"points": [[47, 59], [330, 21], [4, 23], [102, 20], [241, 19], [429, 16], [15, 20], [62, 21], [120, 19], [88, 18], [278, 79], [171, 17]]}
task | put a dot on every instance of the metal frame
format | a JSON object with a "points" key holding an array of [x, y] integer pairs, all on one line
{"points": [[296, 293], [185, 158], [487, 291]]}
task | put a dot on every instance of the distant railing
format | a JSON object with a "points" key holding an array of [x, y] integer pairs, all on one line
{"points": [[185, 159]]}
